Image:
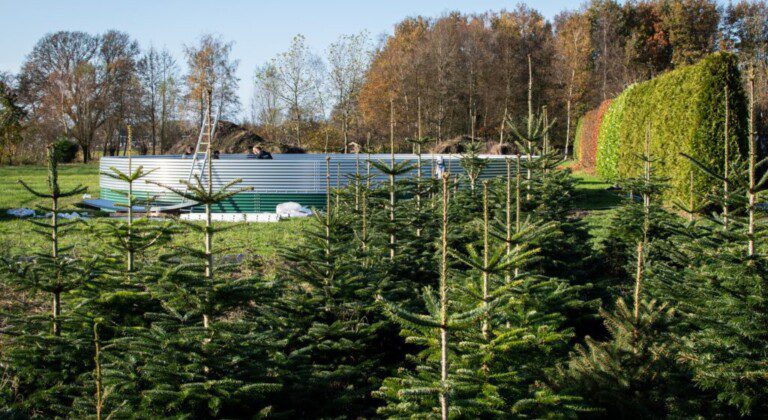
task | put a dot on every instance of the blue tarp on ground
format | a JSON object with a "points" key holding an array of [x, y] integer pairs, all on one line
{"points": [[111, 206]]}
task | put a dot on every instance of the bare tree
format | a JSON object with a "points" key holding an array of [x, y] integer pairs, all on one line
{"points": [[573, 51], [608, 37], [157, 73], [150, 78], [169, 91], [348, 60], [119, 53], [299, 72], [444, 48], [12, 118], [266, 108], [79, 81], [209, 67]]}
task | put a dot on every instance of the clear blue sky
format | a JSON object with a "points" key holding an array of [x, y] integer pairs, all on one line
{"points": [[259, 29]]}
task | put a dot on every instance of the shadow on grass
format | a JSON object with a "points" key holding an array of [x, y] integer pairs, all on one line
{"points": [[592, 193], [595, 199]]}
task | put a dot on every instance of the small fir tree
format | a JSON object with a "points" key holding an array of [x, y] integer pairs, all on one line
{"points": [[43, 354], [435, 387]]}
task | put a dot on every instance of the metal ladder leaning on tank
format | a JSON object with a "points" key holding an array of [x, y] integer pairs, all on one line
{"points": [[203, 146]]}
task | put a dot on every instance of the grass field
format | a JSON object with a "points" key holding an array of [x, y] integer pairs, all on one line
{"points": [[254, 238], [14, 195]]}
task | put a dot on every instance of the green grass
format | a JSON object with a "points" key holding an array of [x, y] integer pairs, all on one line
{"points": [[263, 239], [592, 193], [14, 195]]}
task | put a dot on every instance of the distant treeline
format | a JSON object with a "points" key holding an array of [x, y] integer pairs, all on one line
{"points": [[457, 74]]}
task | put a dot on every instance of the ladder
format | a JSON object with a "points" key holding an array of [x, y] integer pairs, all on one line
{"points": [[203, 146]]}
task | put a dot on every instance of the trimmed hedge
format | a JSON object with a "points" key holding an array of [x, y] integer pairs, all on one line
{"points": [[610, 136], [577, 140], [686, 111], [586, 136]]}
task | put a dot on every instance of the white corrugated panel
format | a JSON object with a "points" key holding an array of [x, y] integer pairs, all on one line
{"points": [[286, 173]]}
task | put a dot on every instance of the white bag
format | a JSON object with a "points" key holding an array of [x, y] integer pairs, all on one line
{"points": [[292, 209]]}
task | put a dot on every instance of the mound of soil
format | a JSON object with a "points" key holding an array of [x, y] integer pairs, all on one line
{"points": [[230, 138], [458, 145]]}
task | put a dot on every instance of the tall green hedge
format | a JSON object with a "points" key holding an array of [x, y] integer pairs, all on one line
{"points": [[686, 111], [579, 133], [609, 140]]}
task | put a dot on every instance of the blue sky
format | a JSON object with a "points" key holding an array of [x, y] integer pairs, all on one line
{"points": [[259, 29]]}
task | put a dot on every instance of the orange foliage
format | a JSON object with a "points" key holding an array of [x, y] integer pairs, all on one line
{"points": [[588, 136]]}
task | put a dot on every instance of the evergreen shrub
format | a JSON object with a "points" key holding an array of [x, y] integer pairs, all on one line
{"points": [[609, 137], [685, 110], [577, 139], [65, 150]]}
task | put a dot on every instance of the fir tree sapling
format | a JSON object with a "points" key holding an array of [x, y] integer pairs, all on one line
{"points": [[210, 351], [431, 388], [472, 164], [132, 236], [634, 372], [717, 279], [752, 191], [333, 334], [55, 272], [43, 356], [726, 165], [534, 134], [520, 332], [634, 224], [392, 170], [116, 301], [419, 186]]}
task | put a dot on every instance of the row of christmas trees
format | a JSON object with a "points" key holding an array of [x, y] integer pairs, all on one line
{"points": [[418, 297]]}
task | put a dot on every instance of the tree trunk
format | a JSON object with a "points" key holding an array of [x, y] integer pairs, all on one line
{"points": [[131, 257], [508, 213], [752, 164], [208, 210], [501, 127], [568, 114], [444, 303], [726, 196], [638, 279], [56, 313], [154, 132], [418, 161], [97, 370], [344, 134], [605, 61], [392, 177], [163, 117], [486, 274]]}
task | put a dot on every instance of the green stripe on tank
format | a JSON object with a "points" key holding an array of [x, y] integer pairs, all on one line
{"points": [[239, 203]]}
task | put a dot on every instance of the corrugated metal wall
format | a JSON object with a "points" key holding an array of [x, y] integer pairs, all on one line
{"points": [[299, 178]]}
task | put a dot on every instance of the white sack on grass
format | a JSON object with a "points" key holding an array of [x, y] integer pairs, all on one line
{"points": [[292, 209], [73, 215], [22, 212]]}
